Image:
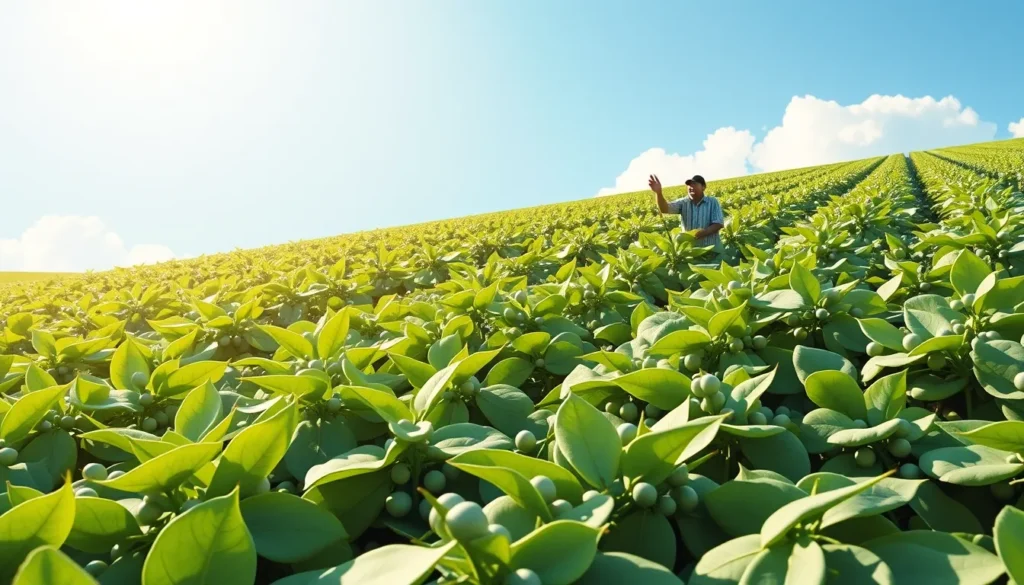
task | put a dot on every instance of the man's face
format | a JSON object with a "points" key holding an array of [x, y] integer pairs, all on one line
{"points": [[695, 189]]}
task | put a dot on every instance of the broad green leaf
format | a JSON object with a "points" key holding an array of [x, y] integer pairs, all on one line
{"points": [[727, 562], [36, 378], [996, 364], [44, 343], [120, 438], [653, 456], [1006, 435], [730, 320], [359, 461], [926, 556], [968, 272], [331, 338], [589, 441], [883, 332], [298, 386], [125, 363], [807, 360], [56, 452], [644, 533], [443, 351], [356, 500], [683, 342], [385, 404], [453, 439], [856, 437], [663, 388], [254, 453], [517, 519], [559, 552], [166, 471], [292, 342], [509, 480], [877, 499], [316, 442], [566, 485], [886, 398], [46, 565], [511, 371], [100, 524], [970, 465], [415, 371], [286, 528], [929, 315], [595, 512], [941, 512], [532, 344], [208, 545], [811, 507], [615, 568], [741, 507], [428, 396], [506, 407], [394, 564], [836, 391], [854, 565], [782, 453], [1009, 540], [45, 520], [803, 282], [800, 562], [200, 411], [29, 411], [189, 376], [745, 394]]}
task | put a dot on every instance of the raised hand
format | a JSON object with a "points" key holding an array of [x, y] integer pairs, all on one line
{"points": [[655, 184]]}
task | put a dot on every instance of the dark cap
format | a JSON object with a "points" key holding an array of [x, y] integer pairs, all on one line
{"points": [[697, 179]]}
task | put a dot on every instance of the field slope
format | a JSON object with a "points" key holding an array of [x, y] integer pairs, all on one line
{"points": [[570, 394]]}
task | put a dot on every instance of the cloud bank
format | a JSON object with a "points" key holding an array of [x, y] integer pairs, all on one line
{"points": [[71, 243], [1017, 128], [814, 132]]}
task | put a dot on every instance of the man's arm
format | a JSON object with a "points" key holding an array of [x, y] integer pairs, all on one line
{"points": [[655, 185], [717, 222], [711, 229]]}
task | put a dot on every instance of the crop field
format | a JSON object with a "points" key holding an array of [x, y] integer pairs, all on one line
{"points": [[568, 394], [6, 277]]}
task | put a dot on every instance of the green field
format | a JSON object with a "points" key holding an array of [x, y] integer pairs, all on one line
{"points": [[567, 394], [6, 277]]}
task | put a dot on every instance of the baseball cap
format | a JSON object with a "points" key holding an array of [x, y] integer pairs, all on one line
{"points": [[697, 179]]}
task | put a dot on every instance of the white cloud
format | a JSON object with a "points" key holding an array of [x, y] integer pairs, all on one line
{"points": [[725, 155], [71, 243], [815, 131], [1017, 128]]}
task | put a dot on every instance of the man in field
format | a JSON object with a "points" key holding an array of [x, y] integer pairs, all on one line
{"points": [[697, 211]]}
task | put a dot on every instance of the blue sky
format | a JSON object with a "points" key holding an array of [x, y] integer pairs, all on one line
{"points": [[199, 127]]}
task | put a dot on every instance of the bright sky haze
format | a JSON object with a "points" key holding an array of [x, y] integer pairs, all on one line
{"points": [[140, 131]]}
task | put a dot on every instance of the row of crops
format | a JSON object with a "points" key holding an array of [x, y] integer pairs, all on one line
{"points": [[558, 395]]}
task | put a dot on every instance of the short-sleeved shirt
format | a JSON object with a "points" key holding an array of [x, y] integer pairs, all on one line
{"points": [[697, 216]]}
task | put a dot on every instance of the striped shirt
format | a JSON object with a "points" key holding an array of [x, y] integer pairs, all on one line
{"points": [[697, 216]]}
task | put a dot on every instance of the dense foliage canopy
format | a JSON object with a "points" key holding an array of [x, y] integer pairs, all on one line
{"points": [[566, 394]]}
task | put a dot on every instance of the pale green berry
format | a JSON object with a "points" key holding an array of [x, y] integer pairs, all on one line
{"points": [[434, 481], [627, 432], [546, 487], [864, 457], [398, 504], [645, 495], [526, 441]]}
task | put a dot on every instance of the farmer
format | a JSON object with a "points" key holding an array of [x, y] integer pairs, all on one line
{"points": [[696, 212]]}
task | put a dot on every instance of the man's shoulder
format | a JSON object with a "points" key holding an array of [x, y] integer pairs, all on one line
{"points": [[712, 199]]}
